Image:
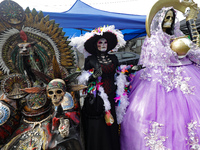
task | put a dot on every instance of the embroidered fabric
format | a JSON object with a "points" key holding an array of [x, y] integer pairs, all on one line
{"points": [[153, 141], [156, 142], [193, 139], [165, 92], [169, 78], [158, 57]]}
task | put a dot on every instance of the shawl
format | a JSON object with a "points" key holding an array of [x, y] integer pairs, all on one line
{"points": [[157, 56]]}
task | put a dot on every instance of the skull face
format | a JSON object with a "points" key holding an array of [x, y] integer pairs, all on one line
{"points": [[56, 90], [169, 17], [24, 48], [102, 44]]}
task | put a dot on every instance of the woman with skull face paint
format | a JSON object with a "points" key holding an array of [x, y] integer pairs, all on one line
{"points": [[98, 134], [98, 112], [164, 100]]}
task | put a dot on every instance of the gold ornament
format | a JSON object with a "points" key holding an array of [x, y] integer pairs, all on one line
{"points": [[179, 46]]}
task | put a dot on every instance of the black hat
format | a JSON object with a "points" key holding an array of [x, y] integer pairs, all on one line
{"points": [[91, 44]]}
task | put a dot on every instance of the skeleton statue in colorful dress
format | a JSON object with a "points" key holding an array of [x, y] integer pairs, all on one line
{"points": [[30, 116], [166, 116]]}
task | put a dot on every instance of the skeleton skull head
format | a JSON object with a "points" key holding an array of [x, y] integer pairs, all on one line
{"points": [[102, 44], [168, 20], [56, 90]]}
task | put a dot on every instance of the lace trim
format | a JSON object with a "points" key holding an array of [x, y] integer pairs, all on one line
{"points": [[152, 140], [169, 78], [193, 139]]}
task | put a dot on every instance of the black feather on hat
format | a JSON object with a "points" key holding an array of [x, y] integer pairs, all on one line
{"points": [[91, 44]]}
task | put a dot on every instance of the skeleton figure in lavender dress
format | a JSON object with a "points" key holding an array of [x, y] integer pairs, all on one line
{"points": [[164, 100]]}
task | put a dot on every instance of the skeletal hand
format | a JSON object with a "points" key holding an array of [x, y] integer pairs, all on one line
{"points": [[64, 127], [137, 67]]}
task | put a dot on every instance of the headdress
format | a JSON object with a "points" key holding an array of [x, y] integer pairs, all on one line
{"points": [[85, 44]]}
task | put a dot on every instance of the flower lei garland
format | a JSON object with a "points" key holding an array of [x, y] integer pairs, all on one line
{"points": [[122, 82]]}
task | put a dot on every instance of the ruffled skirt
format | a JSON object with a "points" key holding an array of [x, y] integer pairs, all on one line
{"points": [[157, 119]]}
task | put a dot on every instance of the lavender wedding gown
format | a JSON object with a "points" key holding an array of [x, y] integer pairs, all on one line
{"points": [[164, 110]]}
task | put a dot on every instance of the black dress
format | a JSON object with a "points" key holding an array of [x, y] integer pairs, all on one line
{"points": [[98, 135]]}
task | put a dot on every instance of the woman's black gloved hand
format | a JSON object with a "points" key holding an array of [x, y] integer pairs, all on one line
{"points": [[95, 75]]}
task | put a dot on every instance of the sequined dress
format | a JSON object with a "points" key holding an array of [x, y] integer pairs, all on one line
{"points": [[164, 110]]}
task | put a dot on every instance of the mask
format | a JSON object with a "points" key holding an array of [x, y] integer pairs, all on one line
{"points": [[56, 90], [168, 19], [24, 48], [102, 44]]}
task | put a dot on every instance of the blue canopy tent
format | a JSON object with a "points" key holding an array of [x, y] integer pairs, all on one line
{"points": [[81, 18]]}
